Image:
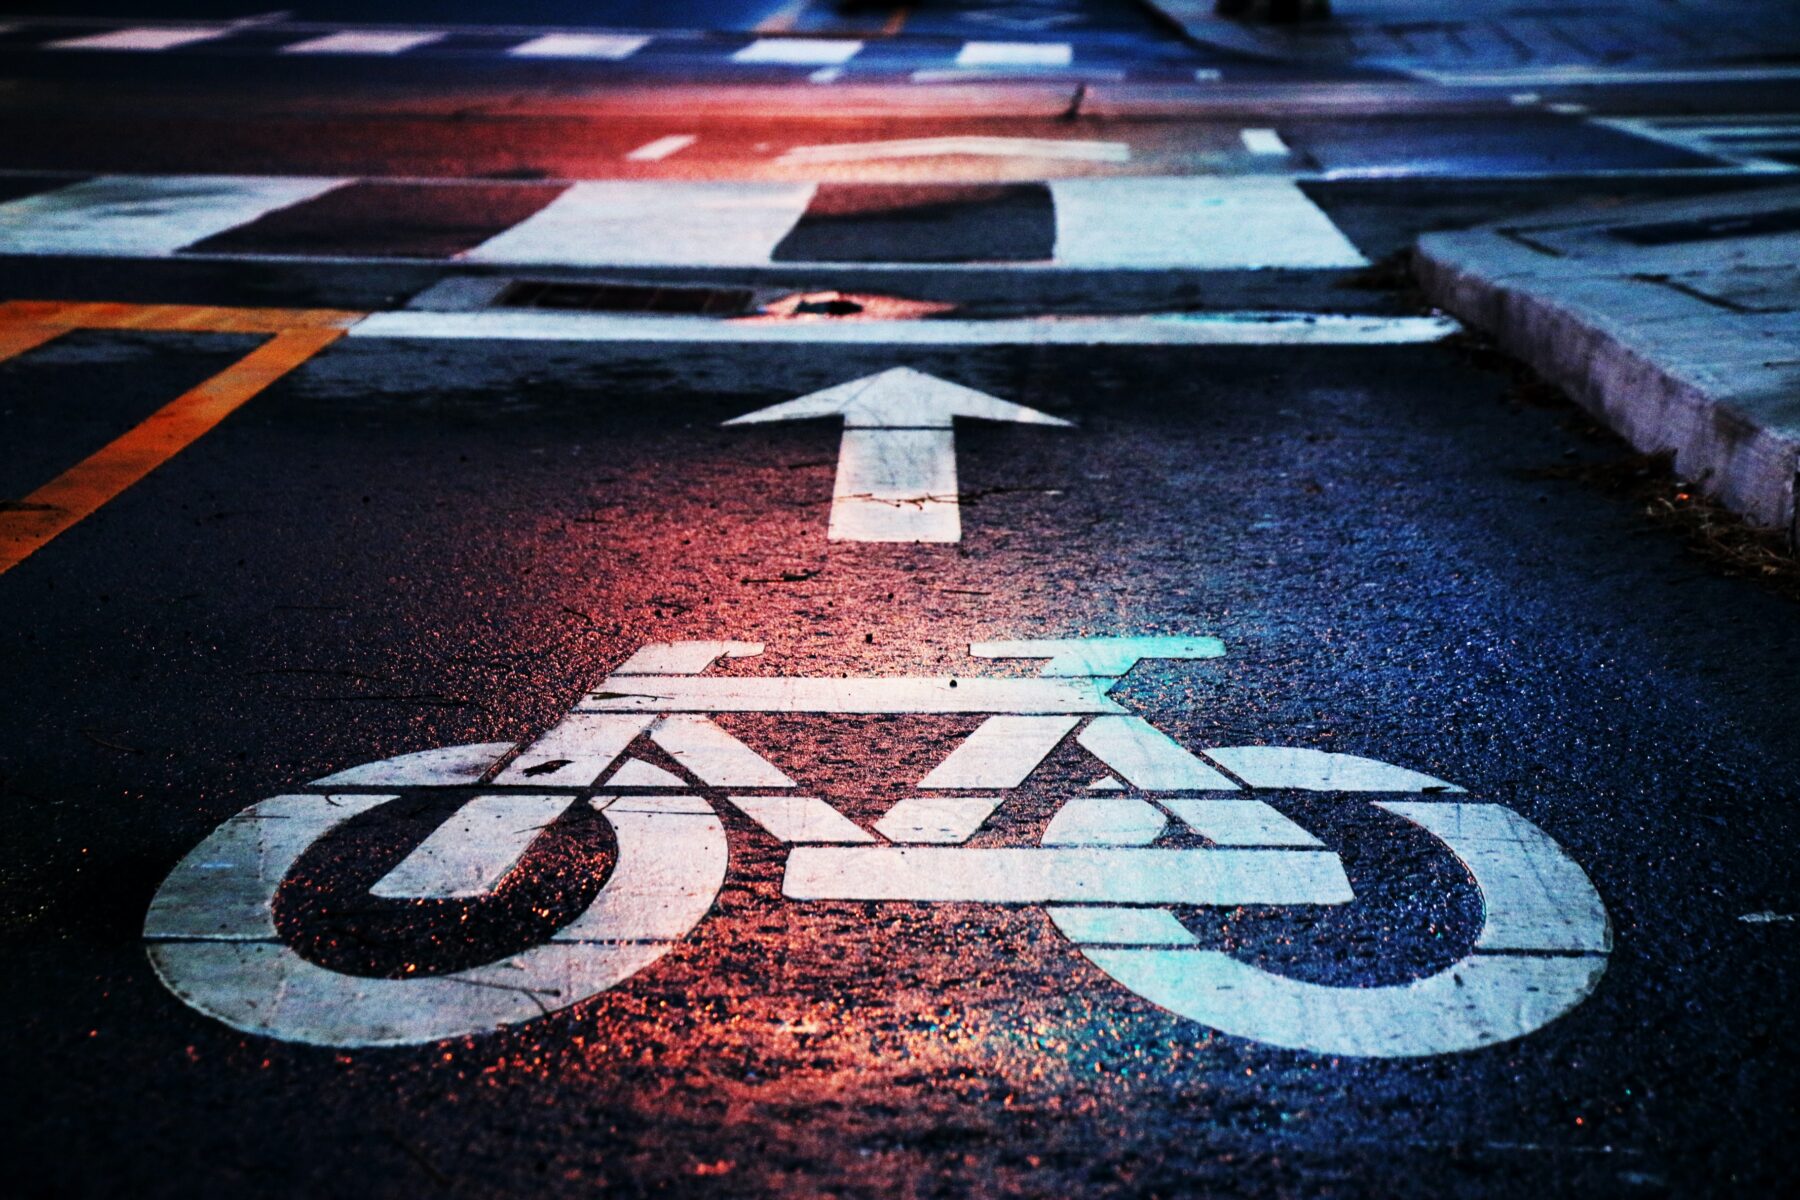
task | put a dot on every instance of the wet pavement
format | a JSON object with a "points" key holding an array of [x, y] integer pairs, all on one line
{"points": [[410, 538]]}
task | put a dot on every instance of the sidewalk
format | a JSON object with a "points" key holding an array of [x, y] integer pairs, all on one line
{"points": [[1478, 35], [1676, 322]]}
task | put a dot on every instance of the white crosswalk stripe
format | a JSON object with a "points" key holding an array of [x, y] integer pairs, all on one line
{"points": [[805, 52], [605, 46], [144, 37], [372, 42], [1127, 223], [145, 216]]}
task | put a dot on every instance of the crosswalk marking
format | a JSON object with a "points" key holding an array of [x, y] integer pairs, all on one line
{"points": [[662, 147], [803, 52], [644, 223], [1195, 223], [1263, 141], [373, 42], [610, 47], [1127, 223], [144, 37], [1015, 54], [148, 215]]}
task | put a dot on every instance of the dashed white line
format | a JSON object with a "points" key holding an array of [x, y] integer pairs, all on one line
{"points": [[352, 42], [800, 52], [610, 47], [662, 147], [146, 37], [1015, 54]]}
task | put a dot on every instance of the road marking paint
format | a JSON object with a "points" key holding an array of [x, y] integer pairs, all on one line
{"points": [[1106, 783], [1105, 821], [1534, 899], [369, 42], [1048, 875], [948, 820], [1485, 999], [649, 222], [1015, 54], [714, 756], [1263, 141], [455, 766], [799, 52], [636, 773], [611, 47], [471, 852], [214, 942], [683, 658], [1120, 926], [1000, 753], [84, 488], [148, 215], [826, 75], [1533, 895], [1769, 918], [801, 819], [662, 147], [1583, 75], [1308, 770], [986, 147], [1239, 823], [1200, 329], [17, 339], [575, 751], [1219, 224], [1148, 758], [877, 695], [144, 37], [1099, 657], [896, 476], [1208, 75]]}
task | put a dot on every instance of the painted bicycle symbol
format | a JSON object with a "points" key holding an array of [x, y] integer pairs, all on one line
{"points": [[1098, 870]]}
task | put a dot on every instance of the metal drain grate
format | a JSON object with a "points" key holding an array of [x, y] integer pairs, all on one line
{"points": [[673, 299]]}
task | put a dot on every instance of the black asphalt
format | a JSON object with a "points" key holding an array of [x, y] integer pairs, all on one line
{"points": [[410, 545], [413, 544]]}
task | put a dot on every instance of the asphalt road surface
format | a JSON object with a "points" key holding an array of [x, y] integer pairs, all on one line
{"points": [[1140, 708]]}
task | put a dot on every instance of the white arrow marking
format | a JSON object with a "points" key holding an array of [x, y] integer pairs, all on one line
{"points": [[896, 479], [983, 147]]}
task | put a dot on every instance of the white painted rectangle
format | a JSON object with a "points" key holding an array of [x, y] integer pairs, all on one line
{"points": [[662, 147], [469, 854], [651, 222], [801, 819], [1121, 926], [1263, 141], [1043, 875], [610, 47], [1198, 224], [1000, 753], [146, 216], [1015, 54], [143, 37], [1222, 329], [895, 485], [374, 42], [803, 694], [801, 52]]}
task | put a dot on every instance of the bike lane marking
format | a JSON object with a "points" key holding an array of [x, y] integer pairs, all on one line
{"points": [[31, 522]]}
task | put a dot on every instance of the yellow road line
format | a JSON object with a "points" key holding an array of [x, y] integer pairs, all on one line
{"points": [[27, 524]]}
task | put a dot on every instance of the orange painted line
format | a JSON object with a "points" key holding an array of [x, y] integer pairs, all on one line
{"points": [[897, 22], [26, 525], [173, 318], [17, 339]]}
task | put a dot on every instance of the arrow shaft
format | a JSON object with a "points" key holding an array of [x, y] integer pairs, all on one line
{"points": [[896, 485]]}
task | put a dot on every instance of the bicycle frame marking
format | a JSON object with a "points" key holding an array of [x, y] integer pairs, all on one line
{"points": [[1102, 880]]}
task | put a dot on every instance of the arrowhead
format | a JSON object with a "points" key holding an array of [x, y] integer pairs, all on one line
{"points": [[901, 398]]}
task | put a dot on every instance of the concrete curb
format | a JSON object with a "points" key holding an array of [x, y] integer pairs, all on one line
{"points": [[1664, 357]]}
